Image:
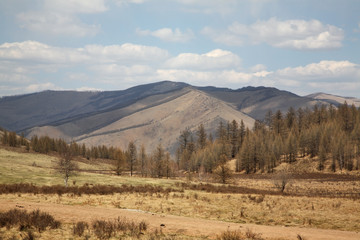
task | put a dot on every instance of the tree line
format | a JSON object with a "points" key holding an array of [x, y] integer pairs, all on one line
{"points": [[133, 159], [324, 133]]}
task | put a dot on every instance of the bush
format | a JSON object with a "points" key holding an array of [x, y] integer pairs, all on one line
{"points": [[79, 228], [36, 219], [237, 235], [106, 229]]}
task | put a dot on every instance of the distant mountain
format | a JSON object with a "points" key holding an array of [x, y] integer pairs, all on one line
{"points": [[19, 113], [148, 114], [335, 100], [257, 101]]}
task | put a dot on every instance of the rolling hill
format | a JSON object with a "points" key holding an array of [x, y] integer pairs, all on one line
{"points": [[335, 100], [147, 114]]}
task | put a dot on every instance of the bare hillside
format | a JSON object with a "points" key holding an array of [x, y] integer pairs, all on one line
{"points": [[163, 123], [336, 100]]}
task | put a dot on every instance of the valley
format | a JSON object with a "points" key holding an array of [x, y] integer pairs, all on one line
{"points": [[173, 161], [188, 209]]}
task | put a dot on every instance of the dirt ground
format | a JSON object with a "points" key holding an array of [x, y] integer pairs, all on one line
{"points": [[175, 224]]}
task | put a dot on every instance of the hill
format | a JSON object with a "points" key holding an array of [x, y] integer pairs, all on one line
{"points": [[148, 114], [257, 101], [335, 100], [150, 124]]}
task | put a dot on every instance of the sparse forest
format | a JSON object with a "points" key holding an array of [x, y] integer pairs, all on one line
{"points": [[326, 136], [323, 134]]}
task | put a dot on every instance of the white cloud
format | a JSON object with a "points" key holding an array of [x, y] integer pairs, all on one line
{"points": [[22, 62], [325, 70], [121, 70], [58, 17], [209, 6], [41, 87], [294, 34], [28, 66], [258, 68], [36, 52], [213, 60], [168, 35], [128, 53], [56, 24], [88, 89], [126, 2], [75, 6]]}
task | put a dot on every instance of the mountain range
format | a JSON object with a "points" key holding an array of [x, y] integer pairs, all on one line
{"points": [[147, 114]]}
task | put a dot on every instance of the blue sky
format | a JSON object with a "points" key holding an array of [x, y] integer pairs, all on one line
{"points": [[299, 46]]}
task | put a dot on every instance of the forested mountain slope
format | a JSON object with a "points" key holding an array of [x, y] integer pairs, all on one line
{"points": [[152, 113]]}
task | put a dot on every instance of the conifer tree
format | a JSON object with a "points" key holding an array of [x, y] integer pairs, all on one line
{"points": [[119, 161], [143, 161], [131, 156], [201, 134]]}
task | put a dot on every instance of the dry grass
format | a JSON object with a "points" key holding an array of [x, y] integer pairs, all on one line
{"points": [[326, 213], [302, 207]]}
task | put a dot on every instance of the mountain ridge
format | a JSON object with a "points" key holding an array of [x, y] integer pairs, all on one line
{"points": [[81, 116]]}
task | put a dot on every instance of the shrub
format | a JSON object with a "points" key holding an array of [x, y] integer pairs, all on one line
{"points": [[231, 235], [36, 219], [79, 228], [237, 235], [103, 229]]}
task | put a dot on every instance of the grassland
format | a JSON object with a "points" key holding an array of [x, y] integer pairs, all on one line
{"points": [[310, 200]]}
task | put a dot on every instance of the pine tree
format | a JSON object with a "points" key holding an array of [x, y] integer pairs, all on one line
{"points": [[5, 138], [221, 132], [158, 161], [12, 141], [234, 138], [201, 134], [322, 157], [131, 156], [143, 161]]}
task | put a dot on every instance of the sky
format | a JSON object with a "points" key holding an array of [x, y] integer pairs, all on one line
{"points": [[305, 46]]}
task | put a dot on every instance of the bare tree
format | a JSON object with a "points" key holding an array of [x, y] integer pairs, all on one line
{"points": [[119, 161], [66, 166], [280, 180], [223, 173]]}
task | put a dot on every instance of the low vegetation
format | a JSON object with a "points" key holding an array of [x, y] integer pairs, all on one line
{"points": [[36, 220], [300, 170]]}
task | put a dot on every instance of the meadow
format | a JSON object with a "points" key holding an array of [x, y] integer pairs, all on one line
{"points": [[310, 200]]}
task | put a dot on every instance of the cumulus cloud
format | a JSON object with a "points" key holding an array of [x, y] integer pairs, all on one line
{"points": [[41, 87], [56, 24], [168, 35], [209, 6], [126, 2], [38, 52], [22, 62], [213, 60], [294, 34], [59, 17], [121, 66], [323, 70], [75, 6], [127, 52]]}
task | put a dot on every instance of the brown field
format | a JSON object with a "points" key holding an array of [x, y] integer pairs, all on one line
{"points": [[313, 206]]}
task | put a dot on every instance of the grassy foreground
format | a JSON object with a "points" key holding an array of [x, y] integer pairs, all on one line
{"points": [[292, 209]]}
